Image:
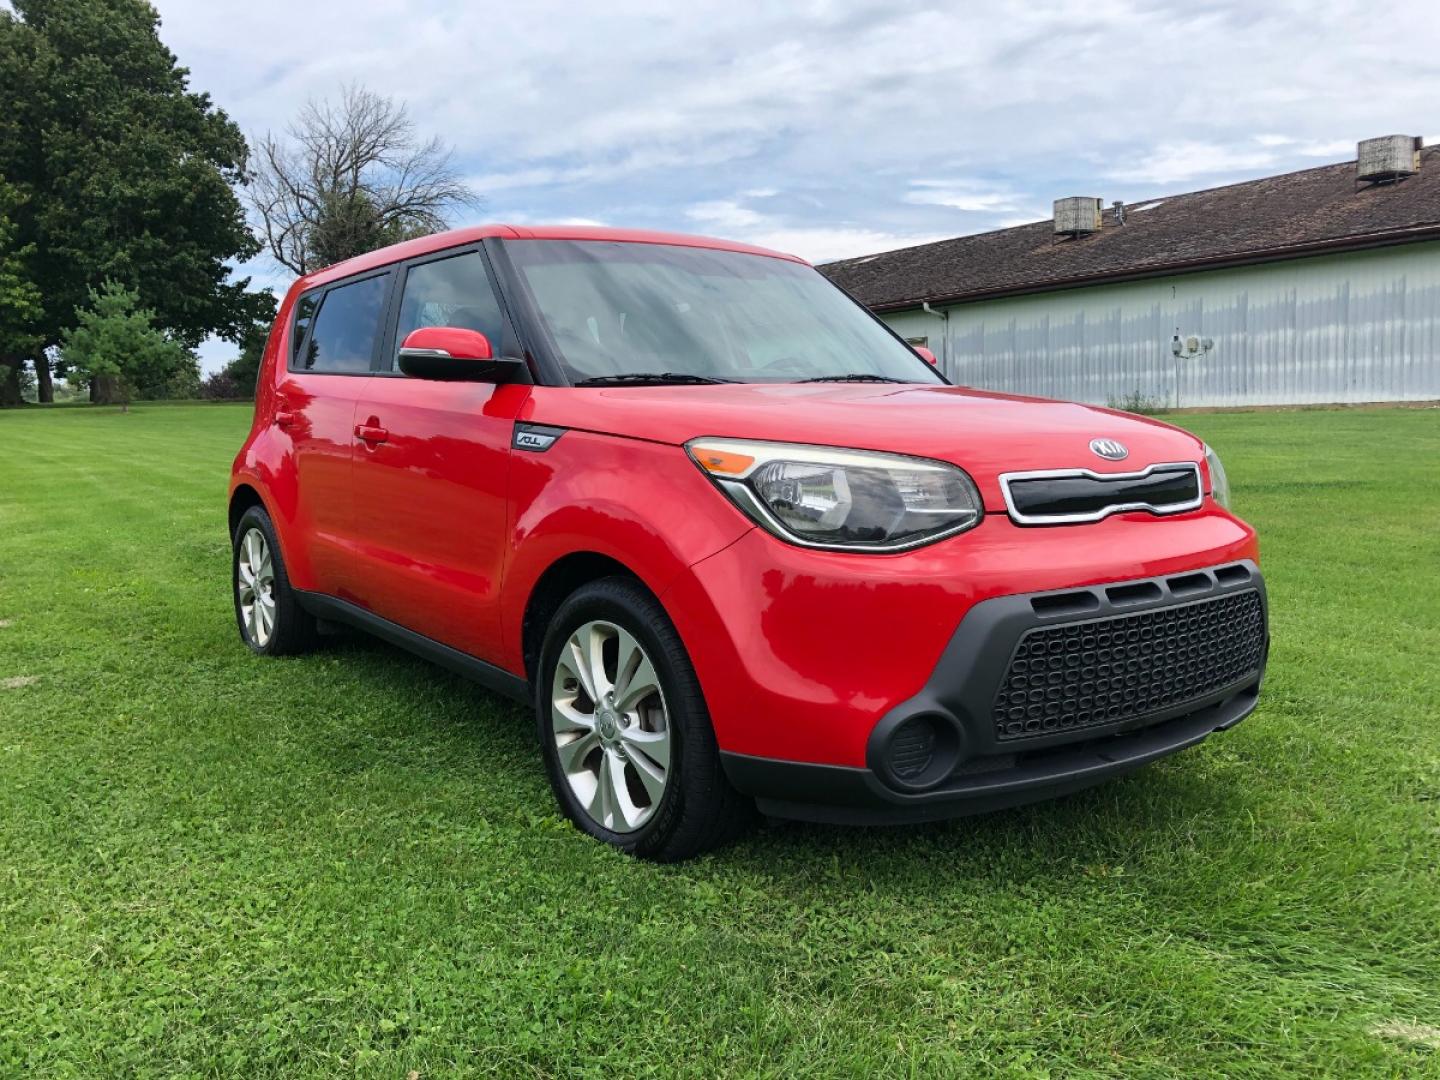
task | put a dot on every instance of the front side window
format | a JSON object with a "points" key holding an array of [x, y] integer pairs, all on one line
{"points": [[615, 308], [346, 327], [452, 292]]}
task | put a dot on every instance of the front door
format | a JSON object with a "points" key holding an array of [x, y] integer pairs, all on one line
{"points": [[334, 343], [431, 470]]}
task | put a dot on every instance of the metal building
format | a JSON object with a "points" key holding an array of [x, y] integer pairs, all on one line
{"points": [[1318, 286]]}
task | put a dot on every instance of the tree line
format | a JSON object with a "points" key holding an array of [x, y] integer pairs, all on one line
{"points": [[127, 198]]}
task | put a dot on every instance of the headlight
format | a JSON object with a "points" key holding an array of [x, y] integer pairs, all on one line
{"points": [[1219, 482], [851, 500]]}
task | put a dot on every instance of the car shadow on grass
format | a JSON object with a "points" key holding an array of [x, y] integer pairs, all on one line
{"points": [[454, 728], [1117, 820]]}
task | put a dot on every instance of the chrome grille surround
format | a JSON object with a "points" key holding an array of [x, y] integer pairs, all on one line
{"points": [[1120, 505]]}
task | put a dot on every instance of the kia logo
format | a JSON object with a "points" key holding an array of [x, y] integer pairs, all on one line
{"points": [[1109, 449]]}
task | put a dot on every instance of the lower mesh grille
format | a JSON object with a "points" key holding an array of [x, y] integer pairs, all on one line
{"points": [[1084, 674]]}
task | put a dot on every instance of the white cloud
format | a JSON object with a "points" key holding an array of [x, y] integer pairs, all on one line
{"points": [[554, 78], [1188, 159], [818, 244], [813, 243], [641, 112], [726, 214], [1332, 148], [605, 168], [520, 217], [961, 195]]}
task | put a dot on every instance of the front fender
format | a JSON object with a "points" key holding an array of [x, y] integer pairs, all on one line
{"points": [[643, 504]]}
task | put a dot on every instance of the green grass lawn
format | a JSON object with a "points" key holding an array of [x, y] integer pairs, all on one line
{"points": [[212, 864]]}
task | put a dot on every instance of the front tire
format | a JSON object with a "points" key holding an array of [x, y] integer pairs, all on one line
{"points": [[626, 738], [267, 608]]}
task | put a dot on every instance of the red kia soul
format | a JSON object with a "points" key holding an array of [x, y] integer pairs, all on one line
{"points": [[737, 544]]}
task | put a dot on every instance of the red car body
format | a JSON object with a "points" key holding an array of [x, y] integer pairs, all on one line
{"points": [[408, 500]]}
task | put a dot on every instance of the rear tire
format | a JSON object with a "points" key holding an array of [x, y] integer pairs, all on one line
{"points": [[624, 731], [267, 609]]}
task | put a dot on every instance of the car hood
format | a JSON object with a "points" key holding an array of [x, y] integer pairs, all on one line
{"points": [[986, 434]]}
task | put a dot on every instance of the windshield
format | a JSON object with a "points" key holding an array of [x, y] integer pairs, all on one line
{"points": [[617, 309]]}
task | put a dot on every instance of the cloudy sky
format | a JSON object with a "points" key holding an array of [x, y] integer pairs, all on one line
{"points": [[832, 128]]}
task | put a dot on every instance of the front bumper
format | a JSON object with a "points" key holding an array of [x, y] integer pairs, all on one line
{"points": [[836, 794], [1190, 672]]}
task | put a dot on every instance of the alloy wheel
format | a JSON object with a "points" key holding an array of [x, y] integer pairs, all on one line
{"points": [[255, 587], [611, 726]]}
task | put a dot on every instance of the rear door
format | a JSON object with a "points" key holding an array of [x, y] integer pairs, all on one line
{"points": [[430, 478], [335, 344]]}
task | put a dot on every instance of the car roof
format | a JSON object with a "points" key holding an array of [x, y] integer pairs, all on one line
{"points": [[425, 245]]}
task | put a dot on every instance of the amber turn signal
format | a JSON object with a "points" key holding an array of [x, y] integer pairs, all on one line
{"points": [[722, 462]]}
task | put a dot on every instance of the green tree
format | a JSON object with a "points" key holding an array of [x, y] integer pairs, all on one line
{"points": [[125, 174], [117, 348], [245, 368], [19, 301]]}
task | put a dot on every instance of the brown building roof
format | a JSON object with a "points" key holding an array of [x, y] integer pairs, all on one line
{"points": [[1299, 213]]}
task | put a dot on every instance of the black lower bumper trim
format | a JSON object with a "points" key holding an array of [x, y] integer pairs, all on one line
{"points": [[856, 796]]}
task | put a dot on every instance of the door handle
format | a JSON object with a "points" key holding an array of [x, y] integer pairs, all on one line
{"points": [[371, 434], [286, 420]]}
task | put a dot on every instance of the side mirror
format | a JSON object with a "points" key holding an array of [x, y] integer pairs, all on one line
{"points": [[926, 355], [453, 354]]}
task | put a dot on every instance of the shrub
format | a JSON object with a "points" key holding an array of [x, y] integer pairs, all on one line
{"points": [[222, 386], [116, 348], [1138, 401]]}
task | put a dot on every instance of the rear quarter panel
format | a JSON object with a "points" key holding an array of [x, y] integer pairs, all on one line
{"points": [[265, 461]]}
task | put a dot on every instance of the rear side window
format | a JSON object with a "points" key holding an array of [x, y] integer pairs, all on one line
{"points": [[304, 312], [452, 292], [346, 327]]}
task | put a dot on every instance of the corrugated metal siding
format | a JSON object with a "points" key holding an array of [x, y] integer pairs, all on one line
{"points": [[1342, 328]]}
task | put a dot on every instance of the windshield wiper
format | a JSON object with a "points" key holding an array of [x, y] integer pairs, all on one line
{"points": [[651, 378], [856, 376]]}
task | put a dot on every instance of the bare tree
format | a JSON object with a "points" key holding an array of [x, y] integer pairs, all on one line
{"points": [[348, 178]]}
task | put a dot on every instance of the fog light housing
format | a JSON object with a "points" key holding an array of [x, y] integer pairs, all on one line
{"points": [[919, 752]]}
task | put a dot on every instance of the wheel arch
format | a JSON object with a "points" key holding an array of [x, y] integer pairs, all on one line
{"points": [[242, 499], [558, 582]]}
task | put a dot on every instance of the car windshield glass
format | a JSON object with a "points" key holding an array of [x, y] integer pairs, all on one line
{"points": [[617, 309]]}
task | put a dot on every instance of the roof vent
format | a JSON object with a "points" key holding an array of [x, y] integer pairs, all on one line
{"points": [[1388, 158], [1077, 215]]}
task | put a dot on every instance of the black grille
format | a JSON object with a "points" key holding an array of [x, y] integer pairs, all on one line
{"points": [[1083, 674], [1166, 489]]}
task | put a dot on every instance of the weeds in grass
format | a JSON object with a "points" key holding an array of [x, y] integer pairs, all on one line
{"points": [[1139, 402]]}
